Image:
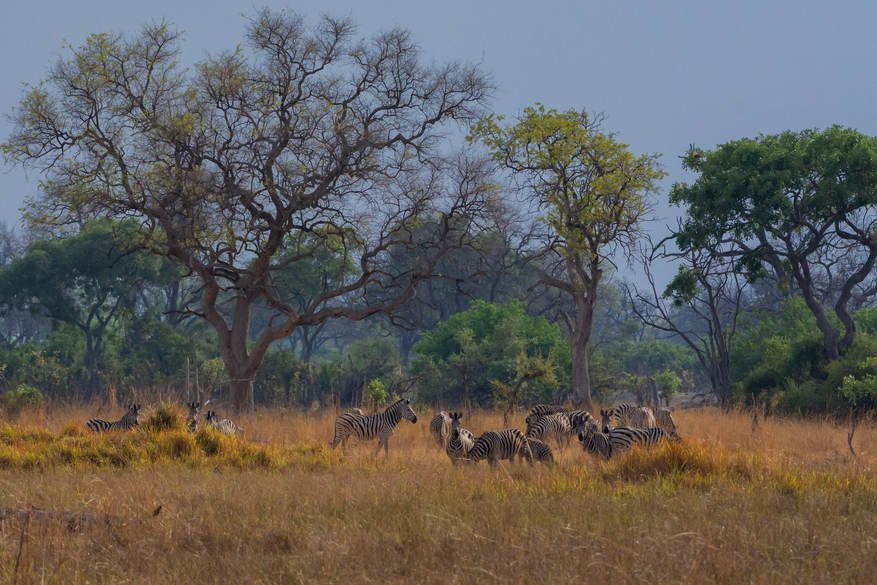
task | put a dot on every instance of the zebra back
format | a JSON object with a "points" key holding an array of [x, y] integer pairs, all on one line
{"points": [[225, 426], [552, 425], [642, 418], [496, 445], [440, 427], [128, 421], [545, 409]]}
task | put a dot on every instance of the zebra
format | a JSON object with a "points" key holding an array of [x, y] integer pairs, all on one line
{"points": [[552, 425], [355, 411], [618, 439], [497, 445], [545, 409], [642, 418], [225, 426], [623, 413], [460, 442], [606, 418], [538, 451], [597, 443], [126, 423], [664, 420], [653, 436], [192, 417], [440, 427], [369, 427]]}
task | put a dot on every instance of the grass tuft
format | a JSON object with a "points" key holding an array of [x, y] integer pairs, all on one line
{"points": [[164, 417]]}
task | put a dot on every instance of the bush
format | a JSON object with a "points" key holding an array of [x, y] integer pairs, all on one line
{"points": [[20, 398]]}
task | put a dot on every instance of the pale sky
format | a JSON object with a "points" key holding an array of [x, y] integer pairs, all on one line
{"points": [[665, 73]]}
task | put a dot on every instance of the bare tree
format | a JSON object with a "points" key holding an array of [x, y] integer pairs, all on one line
{"points": [[707, 288]]}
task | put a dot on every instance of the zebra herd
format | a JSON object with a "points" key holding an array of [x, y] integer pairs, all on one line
{"points": [[131, 419], [545, 424], [633, 425]]}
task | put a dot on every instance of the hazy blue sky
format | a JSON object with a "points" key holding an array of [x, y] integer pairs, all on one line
{"points": [[665, 73]]}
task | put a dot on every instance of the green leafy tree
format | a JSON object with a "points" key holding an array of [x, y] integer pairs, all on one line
{"points": [[668, 385], [303, 129], [798, 206], [87, 280], [593, 195]]}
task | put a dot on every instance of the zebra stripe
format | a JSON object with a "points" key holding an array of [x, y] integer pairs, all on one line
{"points": [[369, 427], [192, 417], [460, 441], [618, 439], [539, 452], [664, 420], [642, 418], [546, 409], [622, 414], [130, 420], [440, 427], [225, 426], [552, 426], [594, 442], [497, 445], [653, 436], [356, 411]]}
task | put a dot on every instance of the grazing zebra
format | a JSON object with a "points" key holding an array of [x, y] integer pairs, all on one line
{"points": [[545, 409], [369, 427], [642, 418], [440, 427], [578, 418], [552, 425], [497, 445], [460, 442], [192, 417], [126, 423], [224, 426], [539, 452], [664, 420]]}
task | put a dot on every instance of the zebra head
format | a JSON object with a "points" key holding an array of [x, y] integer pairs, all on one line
{"points": [[530, 420], [455, 421], [133, 414], [405, 410], [210, 416], [606, 415]]}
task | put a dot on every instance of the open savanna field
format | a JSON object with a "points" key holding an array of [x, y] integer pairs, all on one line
{"points": [[785, 503]]}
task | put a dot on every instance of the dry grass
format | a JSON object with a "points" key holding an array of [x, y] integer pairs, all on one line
{"points": [[787, 503]]}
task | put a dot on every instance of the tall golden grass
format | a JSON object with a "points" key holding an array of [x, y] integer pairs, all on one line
{"points": [[785, 503]]}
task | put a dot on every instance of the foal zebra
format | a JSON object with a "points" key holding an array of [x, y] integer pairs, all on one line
{"points": [[440, 427], [460, 442], [497, 445], [368, 427], [225, 426], [539, 451], [546, 427], [126, 423]]}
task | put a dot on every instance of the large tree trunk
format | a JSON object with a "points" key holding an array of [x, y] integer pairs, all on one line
{"points": [[581, 377], [242, 395]]}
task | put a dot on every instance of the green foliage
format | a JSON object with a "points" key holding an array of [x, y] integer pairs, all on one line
{"points": [[668, 385], [377, 394], [866, 320], [281, 378], [20, 398], [486, 346]]}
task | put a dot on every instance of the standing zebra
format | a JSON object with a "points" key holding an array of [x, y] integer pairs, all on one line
{"points": [[440, 427], [664, 420], [623, 413], [595, 442], [225, 426], [546, 427], [369, 427], [642, 418], [460, 442], [618, 439], [126, 423], [192, 417], [539, 451], [497, 445]]}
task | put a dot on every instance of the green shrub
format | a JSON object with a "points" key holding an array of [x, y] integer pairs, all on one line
{"points": [[20, 398]]}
